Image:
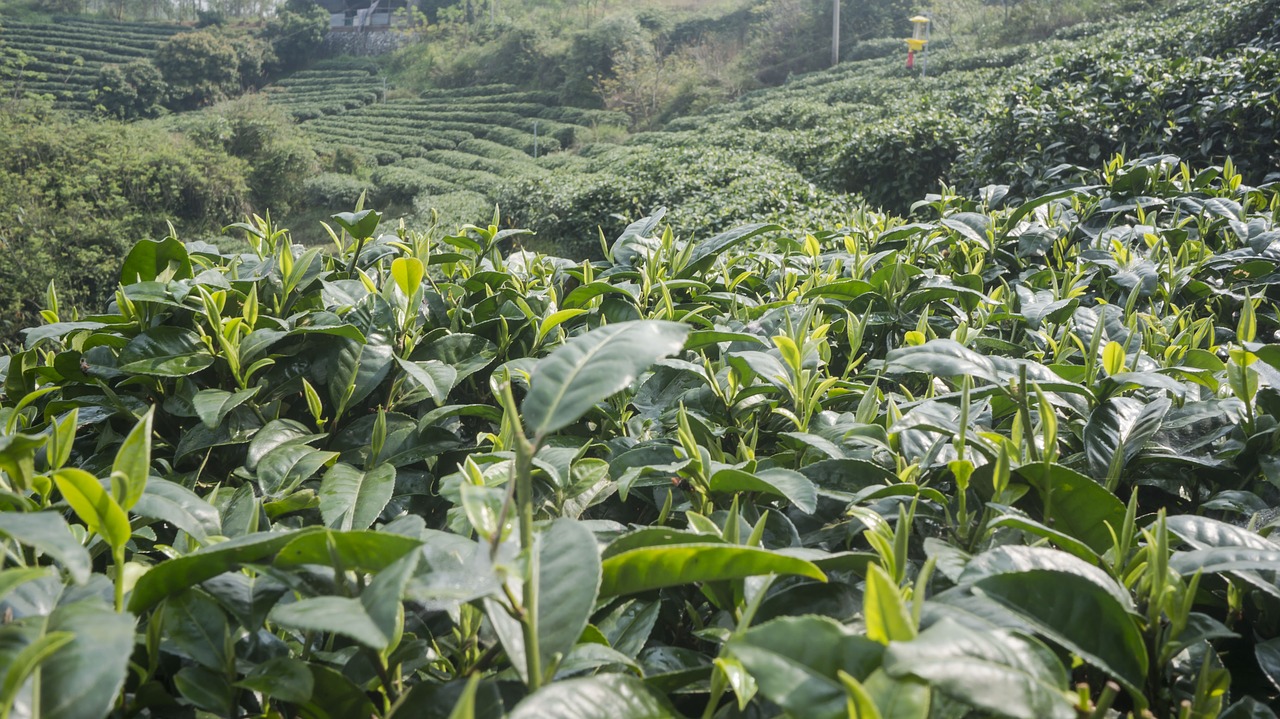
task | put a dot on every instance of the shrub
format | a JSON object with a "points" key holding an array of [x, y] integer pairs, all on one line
{"points": [[705, 188], [276, 155], [459, 206], [847, 470], [79, 193]]}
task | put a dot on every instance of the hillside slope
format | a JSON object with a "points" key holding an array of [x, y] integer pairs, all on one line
{"points": [[61, 59], [1195, 80]]}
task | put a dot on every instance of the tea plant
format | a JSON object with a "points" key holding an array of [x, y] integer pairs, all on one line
{"points": [[1016, 459]]}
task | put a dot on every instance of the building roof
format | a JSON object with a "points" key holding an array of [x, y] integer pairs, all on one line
{"points": [[338, 6]]}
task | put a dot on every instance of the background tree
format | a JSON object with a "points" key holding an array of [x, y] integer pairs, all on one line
{"points": [[130, 91], [296, 32], [200, 68]]}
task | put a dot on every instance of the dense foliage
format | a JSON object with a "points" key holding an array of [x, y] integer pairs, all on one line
{"points": [[78, 193], [1194, 79], [1016, 459]]}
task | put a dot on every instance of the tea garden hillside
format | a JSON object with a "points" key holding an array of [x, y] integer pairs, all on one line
{"points": [[870, 393], [526, 113]]}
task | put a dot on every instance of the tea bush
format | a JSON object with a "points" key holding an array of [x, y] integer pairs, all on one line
{"points": [[334, 188], [1014, 459]]}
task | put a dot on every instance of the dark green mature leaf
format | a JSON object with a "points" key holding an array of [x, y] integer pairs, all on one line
{"points": [[639, 570], [205, 689], [48, 532], [1079, 613], [465, 353], [331, 615], [627, 628], [1117, 431], [14, 577], [352, 499], [787, 483], [1063, 541], [607, 696], [1014, 558], [360, 225], [359, 367], [207, 562], [283, 678], [57, 330], [903, 698], [179, 506], [82, 680], [149, 260], [382, 598], [994, 671], [165, 351], [1268, 655], [948, 358], [1075, 504], [706, 251], [1203, 533], [213, 405], [590, 368], [568, 577], [358, 550], [795, 661], [24, 662], [1225, 559], [197, 628], [333, 696], [568, 581], [1248, 708], [276, 433], [433, 376], [971, 225], [283, 468]]}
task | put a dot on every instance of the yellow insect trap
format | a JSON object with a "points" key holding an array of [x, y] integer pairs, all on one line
{"points": [[918, 40]]}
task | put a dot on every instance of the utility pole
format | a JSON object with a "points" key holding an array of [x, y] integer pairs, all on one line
{"points": [[835, 32]]}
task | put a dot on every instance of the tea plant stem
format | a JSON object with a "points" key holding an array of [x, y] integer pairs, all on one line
{"points": [[524, 500], [117, 558], [523, 480], [1024, 411], [380, 665]]}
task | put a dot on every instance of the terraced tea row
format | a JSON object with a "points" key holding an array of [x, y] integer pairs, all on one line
{"points": [[62, 58], [324, 91], [445, 141]]}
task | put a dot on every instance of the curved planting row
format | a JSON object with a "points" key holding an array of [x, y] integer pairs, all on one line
{"points": [[62, 58], [327, 90], [466, 140]]}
